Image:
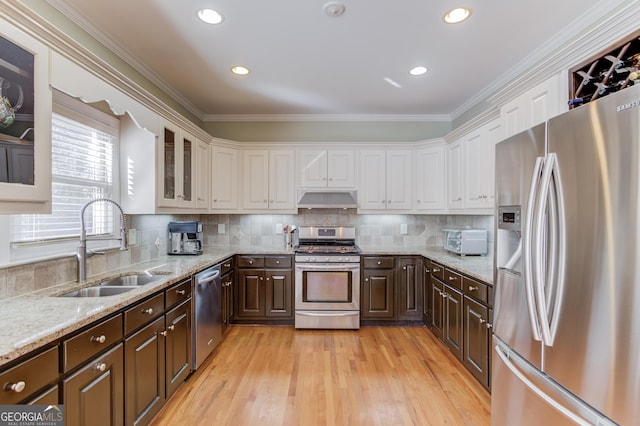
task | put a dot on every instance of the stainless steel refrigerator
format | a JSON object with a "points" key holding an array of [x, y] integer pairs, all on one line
{"points": [[567, 251]]}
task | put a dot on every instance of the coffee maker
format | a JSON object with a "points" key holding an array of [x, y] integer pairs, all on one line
{"points": [[185, 238]]}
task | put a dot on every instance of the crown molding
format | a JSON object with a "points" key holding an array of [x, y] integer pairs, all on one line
{"points": [[28, 21], [328, 117], [599, 27], [81, 20]]}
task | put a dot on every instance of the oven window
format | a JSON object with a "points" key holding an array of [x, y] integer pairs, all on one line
{"points": [[326, 286]]}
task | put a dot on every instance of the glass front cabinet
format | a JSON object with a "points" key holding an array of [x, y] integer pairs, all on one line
{"points": [[177, 168]]}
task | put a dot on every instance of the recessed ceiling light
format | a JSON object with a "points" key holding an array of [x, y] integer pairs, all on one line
{"points": [[210, 16], [418, 70], [456, 15], [240, 70]]}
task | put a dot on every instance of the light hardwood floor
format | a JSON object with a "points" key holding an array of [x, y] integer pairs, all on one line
{"points": [[275, 375]]}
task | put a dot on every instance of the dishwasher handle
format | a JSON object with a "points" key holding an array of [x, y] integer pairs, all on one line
{"points": [[205, 279]]}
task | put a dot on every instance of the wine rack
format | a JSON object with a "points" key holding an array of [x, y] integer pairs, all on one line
{"points": [[615, 69]]}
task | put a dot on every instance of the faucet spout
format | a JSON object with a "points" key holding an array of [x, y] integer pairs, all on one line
{"points": [[81, 254]]}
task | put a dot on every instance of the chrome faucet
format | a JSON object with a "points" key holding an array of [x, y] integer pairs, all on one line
{"points": [[82, 248]]}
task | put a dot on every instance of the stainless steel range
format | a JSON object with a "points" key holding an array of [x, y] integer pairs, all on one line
{"points": [[327, 278]]}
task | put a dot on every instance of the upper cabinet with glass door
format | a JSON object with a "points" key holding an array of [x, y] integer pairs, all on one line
{"points": [[25, 123], [177, 168]]}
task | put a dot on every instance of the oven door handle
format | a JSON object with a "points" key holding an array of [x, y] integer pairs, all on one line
{"points": [[328, 267], [327, 314]]}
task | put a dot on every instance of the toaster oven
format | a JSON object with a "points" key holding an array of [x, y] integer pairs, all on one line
{"points": [[465, 241]]}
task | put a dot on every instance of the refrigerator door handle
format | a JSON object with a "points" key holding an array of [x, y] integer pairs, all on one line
{"points": [[539, 392], [549, 284], [527, 251]]}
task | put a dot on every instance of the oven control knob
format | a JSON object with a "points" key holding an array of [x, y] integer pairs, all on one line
{"points": [[339, 259], [306, 259]]}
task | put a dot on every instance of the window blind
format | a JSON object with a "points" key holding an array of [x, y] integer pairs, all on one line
{"points": [[82, 170]]}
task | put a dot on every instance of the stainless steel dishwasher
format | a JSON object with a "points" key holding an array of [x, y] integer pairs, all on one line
{"points": [[206, 314]]}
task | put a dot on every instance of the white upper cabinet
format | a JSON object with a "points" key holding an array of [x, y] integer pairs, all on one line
{"points": [[534, 106], [385, 180], [268, 177], [332, 168], [202, 172], [175, 171], [455, 175], [479, 160], [430, 179], [25, 133], [224, 178]]}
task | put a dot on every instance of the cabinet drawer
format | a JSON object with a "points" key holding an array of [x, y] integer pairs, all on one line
{"points": [[29, 377], [250, 261], [226, 266], [476, 289], [278, 262], [437, 271], [88, 343], [178, 293], [379, 262], [143, 312], [453, 279]]}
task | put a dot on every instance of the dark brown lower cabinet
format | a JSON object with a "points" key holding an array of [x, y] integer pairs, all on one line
{"points": [[409, 289], [227, 300], [48, 397], [279, 293], [264, 288], [447, 316], [94, 395], [144, 354], [377, 294], [250, 293], [177, 346], [476, 342]]}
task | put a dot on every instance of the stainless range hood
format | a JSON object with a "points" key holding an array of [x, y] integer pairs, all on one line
{"points": [[327, 199]]}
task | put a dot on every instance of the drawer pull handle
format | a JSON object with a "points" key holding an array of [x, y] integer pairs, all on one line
{"points": [[99, 339], [16, 387], [101, 367], [473, 288], [277, 262], [251, 262], [171, 327], [426, 270], [436, 270], [453, 278], [164, 333], [148, 311], [488, 325], [227, 265], [404, 268], [181, 292], [482, 320], [379, 262]]}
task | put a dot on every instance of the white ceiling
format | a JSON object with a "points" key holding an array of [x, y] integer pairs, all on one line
{"points": [[305, 62]]}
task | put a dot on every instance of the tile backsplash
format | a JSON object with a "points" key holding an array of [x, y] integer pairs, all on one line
{"points": [[239, 230]]}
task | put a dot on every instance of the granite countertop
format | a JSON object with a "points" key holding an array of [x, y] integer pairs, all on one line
{"points": [[33, 320]]}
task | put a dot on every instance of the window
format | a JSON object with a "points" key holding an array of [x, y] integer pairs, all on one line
{"points": [[84, 145]]}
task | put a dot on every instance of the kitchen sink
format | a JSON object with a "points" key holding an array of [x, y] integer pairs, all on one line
{"points": [[98, 291], [117, 285], [131, 280]]}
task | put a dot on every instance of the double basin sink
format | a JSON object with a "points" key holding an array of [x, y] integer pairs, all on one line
{"points": [[114, 286]]}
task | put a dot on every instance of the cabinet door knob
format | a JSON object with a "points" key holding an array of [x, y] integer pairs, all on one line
{"points": [[427, 270], [251, 262], [453, 278], [404, 268], [366, 279], [488, 325], [227, 265], [101, 366], [181, 292], [164, 333], [436, 270], [16, 387], [267, 278], [473, 288], [482, 320], [147, 311], [99, 339], [277, 262], [171, 327], [379, 262], [261, 279]]}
